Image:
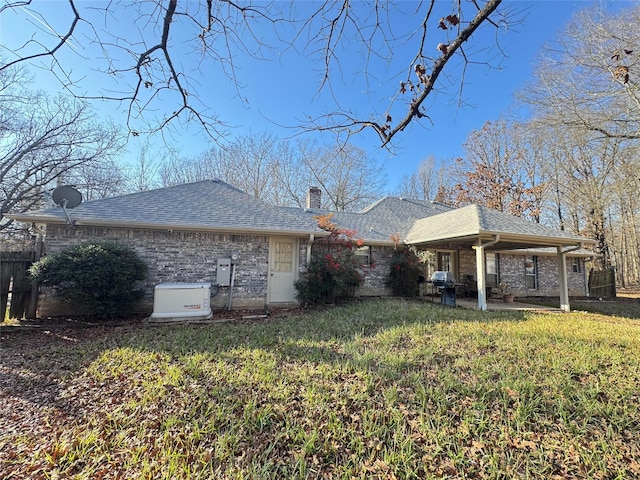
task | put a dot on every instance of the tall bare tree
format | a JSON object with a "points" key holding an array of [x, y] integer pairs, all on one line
{"points": [[97, 180], [248, 162], [543, 160], [43, 141], [588, 168], [347, 176], [585, 91], [425, 182], [291, 174], [143, 174], [624, 214], [495, 172], [280, 171], [589, 77], [175, 170]]}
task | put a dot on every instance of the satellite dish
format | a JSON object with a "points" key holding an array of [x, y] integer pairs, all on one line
{"points": [[66, 197]]}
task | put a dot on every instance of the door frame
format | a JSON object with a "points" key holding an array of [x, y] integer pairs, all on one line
{"points": [[295, 264]]}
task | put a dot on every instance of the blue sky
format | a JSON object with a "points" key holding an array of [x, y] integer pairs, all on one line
{"points": [[283, 91]]}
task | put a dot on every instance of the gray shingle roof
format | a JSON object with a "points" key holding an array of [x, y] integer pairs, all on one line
{"points": [[379, 221], [474, 220], [209, 204], [217, 206]]}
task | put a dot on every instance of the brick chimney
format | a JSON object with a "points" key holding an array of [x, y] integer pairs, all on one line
{"points": [[314, 196]]}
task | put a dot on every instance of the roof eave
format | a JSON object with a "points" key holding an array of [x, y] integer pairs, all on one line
{"points": [[457, 238], [90, 222], [32, 218], [507, 237], [379, 243], [532, 251], [540, 239]]}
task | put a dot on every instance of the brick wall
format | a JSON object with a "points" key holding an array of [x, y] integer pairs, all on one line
{"points": [[178, 256], [512, 271], [466, 264], [376, 275]]}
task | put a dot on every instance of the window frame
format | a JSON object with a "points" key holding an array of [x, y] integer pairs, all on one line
{"points": [[363, 259], [445, 260], [496, 269], [531, 273], [576, 265]]}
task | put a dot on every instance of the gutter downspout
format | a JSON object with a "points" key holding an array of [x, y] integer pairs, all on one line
{"points": [[233, 277], [562, 276], [480, 271], [312, 238]]}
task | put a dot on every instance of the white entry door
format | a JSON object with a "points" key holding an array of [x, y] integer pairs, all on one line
{"points": [[283, 269]]}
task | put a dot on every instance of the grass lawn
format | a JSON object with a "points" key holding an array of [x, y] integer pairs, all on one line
{"points": [[382, 389]]}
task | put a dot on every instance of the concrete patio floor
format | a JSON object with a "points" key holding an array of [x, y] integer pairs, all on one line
{"points": [[495, 305]]}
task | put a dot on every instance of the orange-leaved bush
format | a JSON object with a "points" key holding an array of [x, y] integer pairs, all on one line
{"points": [[332, 275]]}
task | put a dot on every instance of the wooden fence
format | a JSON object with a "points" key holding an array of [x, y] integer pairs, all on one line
{"points": [[602, 283], [15, 284]]}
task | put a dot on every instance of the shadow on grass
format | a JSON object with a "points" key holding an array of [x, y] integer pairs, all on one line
{"points": [[352, 372], [334, 324], [622, 307], [36, 362]]}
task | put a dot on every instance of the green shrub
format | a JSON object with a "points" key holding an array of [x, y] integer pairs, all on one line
{"points": [[98, 277], [332, 275], [404, 273]]}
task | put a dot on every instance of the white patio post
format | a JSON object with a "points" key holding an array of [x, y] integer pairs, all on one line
{"points": [[562, 280], [480, 271], [562, 276], [482, 291]]}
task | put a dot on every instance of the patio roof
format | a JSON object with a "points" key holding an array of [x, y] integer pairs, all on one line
{"points": [[469, 225]]}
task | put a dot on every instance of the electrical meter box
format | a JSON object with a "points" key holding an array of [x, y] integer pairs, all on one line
{"points": [[223, 277]]}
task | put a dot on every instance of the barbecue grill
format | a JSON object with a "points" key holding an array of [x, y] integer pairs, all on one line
{"points": [[446, 284], [443, 279]]}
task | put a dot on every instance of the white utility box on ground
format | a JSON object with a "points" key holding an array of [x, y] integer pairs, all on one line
{"points": [[182, 301]]}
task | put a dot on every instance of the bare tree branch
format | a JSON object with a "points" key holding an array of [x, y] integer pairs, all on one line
{"points": [[151, 66], [350, 124], [42, 142], [589, 77], [48, 52]]}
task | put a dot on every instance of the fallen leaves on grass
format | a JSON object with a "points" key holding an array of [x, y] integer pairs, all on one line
{"points": [[389, 390]]}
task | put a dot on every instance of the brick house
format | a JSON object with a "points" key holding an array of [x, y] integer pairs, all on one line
{"points": [[182, 231]]}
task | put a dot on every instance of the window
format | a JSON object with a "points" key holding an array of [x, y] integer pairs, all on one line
{"points": [[444, 261], [531, 272], [362, 256], [283, 257], [492, 269], [576, 265]]}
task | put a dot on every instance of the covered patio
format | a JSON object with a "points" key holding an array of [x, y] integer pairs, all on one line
{"points": [[483, 230]]}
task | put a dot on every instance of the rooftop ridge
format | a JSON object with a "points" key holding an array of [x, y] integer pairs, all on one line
{"points": [[368, 208]]}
